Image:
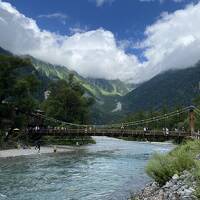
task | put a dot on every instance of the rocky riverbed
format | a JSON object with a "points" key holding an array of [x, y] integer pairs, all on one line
{"points": [[178, 188]]}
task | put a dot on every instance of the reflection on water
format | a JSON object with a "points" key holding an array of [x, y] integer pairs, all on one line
{"points": [[110, 169]]}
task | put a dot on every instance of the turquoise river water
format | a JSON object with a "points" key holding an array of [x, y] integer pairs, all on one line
{"points": [[108, 170]]}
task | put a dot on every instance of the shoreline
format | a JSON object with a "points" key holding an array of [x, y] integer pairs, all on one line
{"points": [[10, 153], [181, 187], [176, 175]]}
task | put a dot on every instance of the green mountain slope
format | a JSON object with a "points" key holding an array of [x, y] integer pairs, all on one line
{"points": [[171, 88], [106, 92], [110, 87], [96, 87], [44, 80]]}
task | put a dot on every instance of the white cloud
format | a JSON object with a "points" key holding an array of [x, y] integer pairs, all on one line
{"points": [[92, 53], [54, 15], [102, 2], [172, 42], [78, 29], [162, 1], [59, 16]]}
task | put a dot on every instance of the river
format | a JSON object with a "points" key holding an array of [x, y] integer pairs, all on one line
{"points": [[108, 170]]}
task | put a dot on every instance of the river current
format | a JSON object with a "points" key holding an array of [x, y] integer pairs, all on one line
{"points": [[111, 169]]}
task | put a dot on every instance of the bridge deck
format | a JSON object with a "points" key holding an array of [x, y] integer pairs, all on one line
{"points": [[112, 133]]}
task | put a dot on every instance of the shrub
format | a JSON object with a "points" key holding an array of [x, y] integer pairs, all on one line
{"points": [[159, 168], [181, 161], [162, 167]]}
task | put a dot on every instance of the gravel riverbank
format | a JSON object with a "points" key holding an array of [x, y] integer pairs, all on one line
{"points": [[32, 151], [178, 188]]}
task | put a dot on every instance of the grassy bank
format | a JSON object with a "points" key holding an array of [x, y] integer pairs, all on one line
{"points": [[162, 167]]}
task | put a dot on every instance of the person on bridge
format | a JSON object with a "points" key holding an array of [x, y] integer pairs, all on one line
{"points": [[122, 128], [167, 131], [198, 134]]}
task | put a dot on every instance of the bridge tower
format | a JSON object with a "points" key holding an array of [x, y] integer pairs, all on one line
{"points": [[192, 120]]}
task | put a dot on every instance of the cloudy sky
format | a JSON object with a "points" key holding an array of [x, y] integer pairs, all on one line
{"points": [[131, 40]]}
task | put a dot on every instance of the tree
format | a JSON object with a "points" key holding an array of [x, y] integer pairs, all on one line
{"points": [[67, 102], [8, 70], [23, 93], [17, 88]]}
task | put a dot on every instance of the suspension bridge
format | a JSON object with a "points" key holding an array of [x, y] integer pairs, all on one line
{"points": [[126, 129]]}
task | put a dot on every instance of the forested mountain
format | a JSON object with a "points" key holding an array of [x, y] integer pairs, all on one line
{"points": [[115, 99], [4, 52], [172, 88], [110, 87], [96, 87], [31, 70], [105, 92]]}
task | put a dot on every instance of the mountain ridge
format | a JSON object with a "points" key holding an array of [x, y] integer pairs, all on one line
{"points": [[96, 87], [174, 87]]}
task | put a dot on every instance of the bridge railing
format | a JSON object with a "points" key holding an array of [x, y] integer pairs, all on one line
{"points": [[108, 132]]}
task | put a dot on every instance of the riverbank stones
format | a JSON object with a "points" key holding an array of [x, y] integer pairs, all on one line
{"points": [[178, 188]]}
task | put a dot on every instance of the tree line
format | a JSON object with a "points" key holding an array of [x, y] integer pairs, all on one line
{"points": [[179, 121]]}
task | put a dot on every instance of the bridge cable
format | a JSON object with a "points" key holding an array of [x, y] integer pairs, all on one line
{"points": [[153, 119]]}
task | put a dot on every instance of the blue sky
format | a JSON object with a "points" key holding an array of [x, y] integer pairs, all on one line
{"points": [[127, 19], [132, 40]]}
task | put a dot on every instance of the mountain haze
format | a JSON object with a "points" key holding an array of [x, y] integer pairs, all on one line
{"points": [[172, 88]]}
